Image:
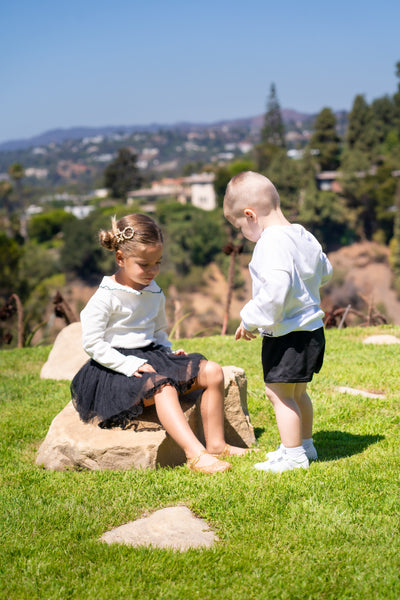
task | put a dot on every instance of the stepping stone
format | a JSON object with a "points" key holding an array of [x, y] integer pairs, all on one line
{"points": [[175, 527], [381, 339], [356, 392]]}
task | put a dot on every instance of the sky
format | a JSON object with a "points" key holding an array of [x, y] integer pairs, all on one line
{"points": [[67, 63]]}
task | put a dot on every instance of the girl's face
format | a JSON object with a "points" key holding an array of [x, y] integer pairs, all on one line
{"points": [[138, 270]]}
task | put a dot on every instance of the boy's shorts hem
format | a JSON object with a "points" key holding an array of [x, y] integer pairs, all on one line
{"points": [[294, 357]]}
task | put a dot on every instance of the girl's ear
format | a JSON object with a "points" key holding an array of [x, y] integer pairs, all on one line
{"points": [[119, 257]]}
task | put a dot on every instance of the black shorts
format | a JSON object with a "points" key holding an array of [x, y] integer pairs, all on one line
{"points": [[293, 358]]}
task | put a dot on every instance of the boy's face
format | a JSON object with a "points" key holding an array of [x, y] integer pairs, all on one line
{"points": [[247, 223]]}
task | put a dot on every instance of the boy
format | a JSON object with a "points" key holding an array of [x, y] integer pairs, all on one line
{"points": [[287, 269]]}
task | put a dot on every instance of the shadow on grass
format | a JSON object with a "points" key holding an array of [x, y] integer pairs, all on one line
{"points": [[258, 431], [332, 445]]}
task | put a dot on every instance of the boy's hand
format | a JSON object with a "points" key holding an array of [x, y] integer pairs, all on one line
{"points": [[242, 332], [180, 351]]}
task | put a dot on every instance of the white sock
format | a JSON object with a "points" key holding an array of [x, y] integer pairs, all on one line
{"points": [[308, 443], [295, 453]]}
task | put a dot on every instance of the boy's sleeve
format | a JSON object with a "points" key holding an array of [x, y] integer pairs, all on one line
{"points": [[266, 307], [94, 319], [327, 269]]}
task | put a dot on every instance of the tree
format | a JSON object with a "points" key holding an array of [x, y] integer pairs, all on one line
{"points": [[272, 133], [81, 253], [326, 216], [326, 140], [395, 242], [193, 236], [44, 226], [285, 173], [5, 191], [361, 134], [16, 172], [396, 102], [122, 175]]}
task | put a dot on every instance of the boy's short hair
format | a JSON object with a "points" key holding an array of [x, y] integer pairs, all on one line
{"points": [[249, 189]]}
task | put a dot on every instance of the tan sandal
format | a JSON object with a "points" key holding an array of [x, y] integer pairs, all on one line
{"points": [[227, 452], [219, 466]]}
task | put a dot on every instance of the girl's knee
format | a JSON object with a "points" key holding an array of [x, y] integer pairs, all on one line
{"points": [[213, 373]]}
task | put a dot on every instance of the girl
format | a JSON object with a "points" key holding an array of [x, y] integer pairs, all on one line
{"points": [[132, 365]]}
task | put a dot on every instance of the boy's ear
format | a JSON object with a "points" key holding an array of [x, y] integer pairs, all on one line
{"points": [[249, 213]]}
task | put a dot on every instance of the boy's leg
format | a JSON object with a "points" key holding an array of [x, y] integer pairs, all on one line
{"points": [[287, 413], [291, 453], [304, 403]]}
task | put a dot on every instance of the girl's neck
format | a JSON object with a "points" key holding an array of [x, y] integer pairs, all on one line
{"points": [[120, 278]]}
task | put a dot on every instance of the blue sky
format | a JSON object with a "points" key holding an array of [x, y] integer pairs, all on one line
{"points": [[126, 62]]}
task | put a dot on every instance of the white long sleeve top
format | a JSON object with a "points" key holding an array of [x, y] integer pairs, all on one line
{"points": [[287, 269], [117, 316]]}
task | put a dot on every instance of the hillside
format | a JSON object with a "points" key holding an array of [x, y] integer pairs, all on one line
{"points": [[362, 278], [60, 135]]}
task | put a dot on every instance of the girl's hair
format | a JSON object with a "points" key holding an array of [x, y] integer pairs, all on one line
{"points": [[131, 231]]}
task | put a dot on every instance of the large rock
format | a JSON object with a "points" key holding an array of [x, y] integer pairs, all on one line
{"points": [[67, 355], [70, 443]]}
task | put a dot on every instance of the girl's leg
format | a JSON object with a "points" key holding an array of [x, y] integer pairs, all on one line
{"points": [[211, 379], [172, 418], [304, 403], [287, 413]]}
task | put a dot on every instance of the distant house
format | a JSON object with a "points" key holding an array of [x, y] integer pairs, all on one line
{"points": [[327, 181], [80, 212], [195, 189]]}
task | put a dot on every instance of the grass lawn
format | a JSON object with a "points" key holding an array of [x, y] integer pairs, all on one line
{"points": [[329, 532]]}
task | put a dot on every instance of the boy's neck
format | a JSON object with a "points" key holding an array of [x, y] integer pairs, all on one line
{"points": [[275, 217]]}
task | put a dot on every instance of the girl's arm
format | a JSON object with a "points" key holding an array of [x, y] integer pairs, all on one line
{"points": [[94, 319], [160, 325]]}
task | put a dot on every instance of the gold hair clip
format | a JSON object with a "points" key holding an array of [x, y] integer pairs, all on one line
{"points": [[125, 234]]}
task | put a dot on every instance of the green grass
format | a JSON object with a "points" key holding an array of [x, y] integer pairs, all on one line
{"points": [[331, 532]]}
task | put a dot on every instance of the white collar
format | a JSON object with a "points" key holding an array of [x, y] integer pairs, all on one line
{"points": [[110, 284]]}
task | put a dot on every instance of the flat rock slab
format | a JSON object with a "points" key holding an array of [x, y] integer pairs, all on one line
{"points": [[381, 339], [175, 528], [356, 392]]}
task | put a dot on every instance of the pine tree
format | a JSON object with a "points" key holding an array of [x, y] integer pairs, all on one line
{"points": [[361, 134], [326, 140], [273, 131], [122, 175]]}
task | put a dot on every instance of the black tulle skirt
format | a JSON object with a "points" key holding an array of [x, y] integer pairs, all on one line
{"points": [[112, 399]]}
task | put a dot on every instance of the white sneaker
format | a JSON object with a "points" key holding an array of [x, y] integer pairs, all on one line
{"points": [[275, 454], [311, 453], [284, 463]]}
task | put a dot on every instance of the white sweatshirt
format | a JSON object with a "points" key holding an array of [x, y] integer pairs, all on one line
{"points": [[118, 316], [287, 269]]}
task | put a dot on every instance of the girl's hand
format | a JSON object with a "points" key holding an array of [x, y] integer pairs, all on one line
{"points": [[180, 351], [146, 368], [242, 332]]}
